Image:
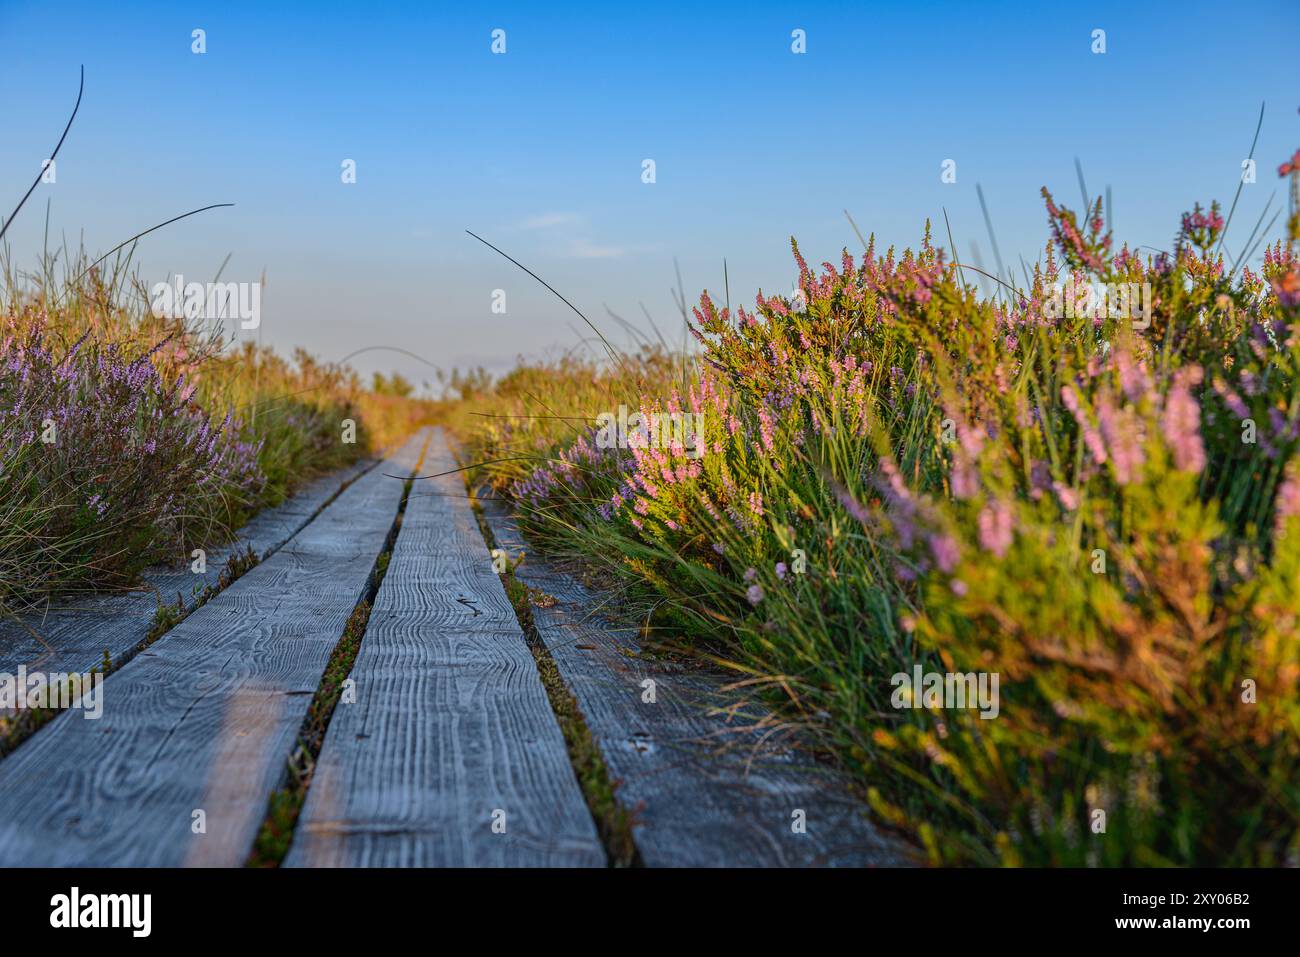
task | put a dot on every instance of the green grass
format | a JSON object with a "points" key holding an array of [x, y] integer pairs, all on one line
{"points": [[94, 507], [949, 467]]}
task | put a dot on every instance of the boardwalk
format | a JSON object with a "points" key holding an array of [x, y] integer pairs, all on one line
{"points": [[446, 751]]}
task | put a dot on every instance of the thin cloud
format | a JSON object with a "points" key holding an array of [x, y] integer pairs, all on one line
{"points": [[563, 237], [585, 249], [547, 221]]}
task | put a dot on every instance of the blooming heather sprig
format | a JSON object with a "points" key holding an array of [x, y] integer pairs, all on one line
{"points": [[1083, 252], [1287, 504], [996, 528], [1181, 421], [1091, 437]]}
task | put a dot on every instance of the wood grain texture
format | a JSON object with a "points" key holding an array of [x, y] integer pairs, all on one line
{"points": [[707, 793], [451, 722], [204, 718], [75, 633]]}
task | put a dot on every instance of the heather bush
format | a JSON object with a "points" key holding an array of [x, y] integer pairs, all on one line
{"points": [[899, 470], [106, 466], [164, 437]]}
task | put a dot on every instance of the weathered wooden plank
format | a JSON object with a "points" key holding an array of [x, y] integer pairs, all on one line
{"points": [[204, 719], [708, 792], [451, 722], [74, 634]]}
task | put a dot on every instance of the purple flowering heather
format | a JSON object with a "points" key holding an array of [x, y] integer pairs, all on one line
{"points": [[996, 527], [1287, 505], [1231, 399], [1122, 433], [1181, 421], [945, 551], [1091, 437], [850, 504], [107, 467]]}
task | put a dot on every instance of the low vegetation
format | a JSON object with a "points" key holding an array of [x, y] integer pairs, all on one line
{"points": [[893, 469], [127, 439]]}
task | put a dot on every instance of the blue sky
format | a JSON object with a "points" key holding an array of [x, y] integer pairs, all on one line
{"points": [[540, 150]]}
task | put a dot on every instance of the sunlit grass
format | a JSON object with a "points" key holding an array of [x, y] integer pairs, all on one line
{"points": [[899, 472]]}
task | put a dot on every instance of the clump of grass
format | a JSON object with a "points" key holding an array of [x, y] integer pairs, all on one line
{"points": [[897, 472]]}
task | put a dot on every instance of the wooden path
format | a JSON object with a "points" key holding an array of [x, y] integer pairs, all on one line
{"points": [[452, 732], [444, 752], [196, 729]]}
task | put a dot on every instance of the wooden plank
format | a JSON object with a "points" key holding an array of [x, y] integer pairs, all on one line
{"points": [[204, 719], [75, 633], [706, 792], [451, 722]]}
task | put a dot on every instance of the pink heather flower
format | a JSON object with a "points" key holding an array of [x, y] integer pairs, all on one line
{"points": [[902, 507], [1231, 399], [1091, 437], [1290, 166], [1067, 496], [719, 548], [850, 504], [751, 574], [965, 480], [781, 570], [755, 594], [1181, 421], [958, 587], [756, 503], [945, 551], [1122, 434], [1199, 220], [972, 440], [1288, 496], [995, 528], [765, 424], [1133, 377]]}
